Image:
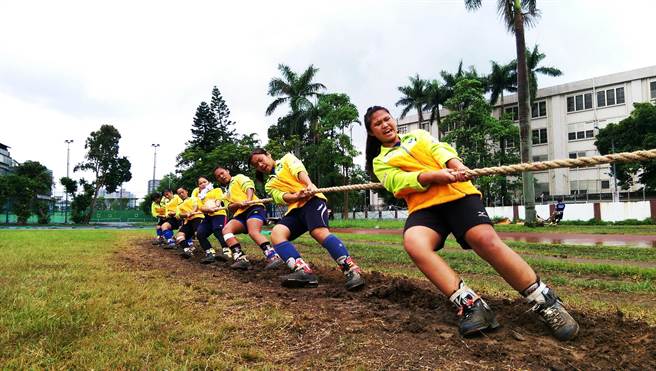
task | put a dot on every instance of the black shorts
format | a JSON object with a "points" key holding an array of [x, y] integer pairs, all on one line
{"points": [[255, 211], [455, 217], [161, 221], [190, 227], [314, 214], [175, 222]]}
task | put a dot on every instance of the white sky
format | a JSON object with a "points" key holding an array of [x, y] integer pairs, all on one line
{"points": [[67, 67]]}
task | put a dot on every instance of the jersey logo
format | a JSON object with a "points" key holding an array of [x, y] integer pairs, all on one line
{"points": [[279, 167]]}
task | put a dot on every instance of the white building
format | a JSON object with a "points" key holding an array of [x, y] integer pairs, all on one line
{"points": [[565, 120]]}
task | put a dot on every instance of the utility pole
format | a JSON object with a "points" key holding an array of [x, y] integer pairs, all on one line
{"points": [[154, 145], [68, 160]]}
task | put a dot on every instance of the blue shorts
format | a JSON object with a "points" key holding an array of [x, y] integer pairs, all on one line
{"points": [[255, 211], [312, 215], [211, 224]]}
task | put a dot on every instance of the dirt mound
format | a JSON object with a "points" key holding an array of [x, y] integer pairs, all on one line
{"points": [[404, 323]]}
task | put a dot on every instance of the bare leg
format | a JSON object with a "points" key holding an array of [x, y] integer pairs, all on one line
{"points": [[420, 242], [487, 244]]}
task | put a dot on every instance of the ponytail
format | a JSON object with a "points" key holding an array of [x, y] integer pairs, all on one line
{"points": [[373, 144]]}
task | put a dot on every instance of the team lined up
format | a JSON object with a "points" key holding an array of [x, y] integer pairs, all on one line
{"points": [[203, 213], [426, 173]]}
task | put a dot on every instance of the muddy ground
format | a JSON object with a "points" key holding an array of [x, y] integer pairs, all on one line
{"points": [[404, 323]]}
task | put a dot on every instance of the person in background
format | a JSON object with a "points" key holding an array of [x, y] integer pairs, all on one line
{"points": [[171, 222]]}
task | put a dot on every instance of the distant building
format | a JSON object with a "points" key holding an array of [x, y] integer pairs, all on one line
{"points": [[109, 198], [6, 162], [565, 120], [152, 185]]}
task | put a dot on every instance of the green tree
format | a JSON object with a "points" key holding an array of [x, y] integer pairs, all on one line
{"points": [[415, 96], [533, 59], [224, 128], [29, 188], [475, 134], [516, 14], [636, 132], [103, 161], [436, 96], [299, 92], [81, 204], [502, 78]]}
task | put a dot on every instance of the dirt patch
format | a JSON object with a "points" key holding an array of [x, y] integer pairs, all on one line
{"points": [[404, 323]]}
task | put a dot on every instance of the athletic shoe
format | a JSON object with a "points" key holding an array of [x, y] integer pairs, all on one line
{"points": [[209, 258], [476, 316], [221, 257], [156, 241], [300, 278], [187, 253], [559, 321], [354, 280], [241, 264], [274, 263], [170, 245]]}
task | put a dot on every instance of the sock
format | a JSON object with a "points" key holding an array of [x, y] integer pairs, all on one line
{"points": [[159, 232], [535, 292], [335, 247], [288, 254], [168, 234], [210, 251], [268, 251], [190, 241], [237, 252], [463, 295]]}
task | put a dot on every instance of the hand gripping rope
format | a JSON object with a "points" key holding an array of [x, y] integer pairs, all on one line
{"points": [[622, 157]]}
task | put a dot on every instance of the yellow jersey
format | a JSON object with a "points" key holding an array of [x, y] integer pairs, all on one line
{"points": [[171, 206], [284, 179], [215, 194], [398, 168], [157, 210], [237, 191], [190, 204]]}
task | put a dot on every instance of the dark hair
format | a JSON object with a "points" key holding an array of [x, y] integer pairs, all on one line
{"points": [[155, 196], [202, 178], [373, 144], [259, 176], [167, 190], [217, 167]]}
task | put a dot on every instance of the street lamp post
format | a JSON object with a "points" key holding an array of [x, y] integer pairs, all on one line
{"points": [[154, 145], [68, 160]]}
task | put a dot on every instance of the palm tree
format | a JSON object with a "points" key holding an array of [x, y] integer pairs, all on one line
{"points": [[533, 59], [501, 78], [297, 91], [451, 79], [414, 96], [516, 13], [436, 96]]}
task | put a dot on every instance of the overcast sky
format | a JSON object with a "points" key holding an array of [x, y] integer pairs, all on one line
{"points": [[68, 67]]}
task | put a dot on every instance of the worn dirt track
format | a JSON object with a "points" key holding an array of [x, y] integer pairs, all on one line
{"points": [[402, 323]]}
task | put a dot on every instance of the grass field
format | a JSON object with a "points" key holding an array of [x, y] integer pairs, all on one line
{"points": [[67, 299]]}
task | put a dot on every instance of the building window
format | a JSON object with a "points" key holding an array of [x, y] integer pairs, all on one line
{"points": [[652, 88], [540, 158], [403, 129], [605, 184], [513, 112], [575, 155], [539, 136], [583, 134], [579, 102], [610, 97], [539, 109], [424, 126], [510, 143]]}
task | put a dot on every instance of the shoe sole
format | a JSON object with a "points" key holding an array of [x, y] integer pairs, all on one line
{"points": [[489, 327], [207, 261], [295, 284], [274, 265], [221, 258], [357, 286], [240, 267]]}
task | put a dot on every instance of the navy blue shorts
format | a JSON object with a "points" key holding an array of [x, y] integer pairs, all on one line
{"points": [[455, 217], [175, 222], [314, 214], [255, 211], [161, 221], [210, 225], [190, 226]]}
